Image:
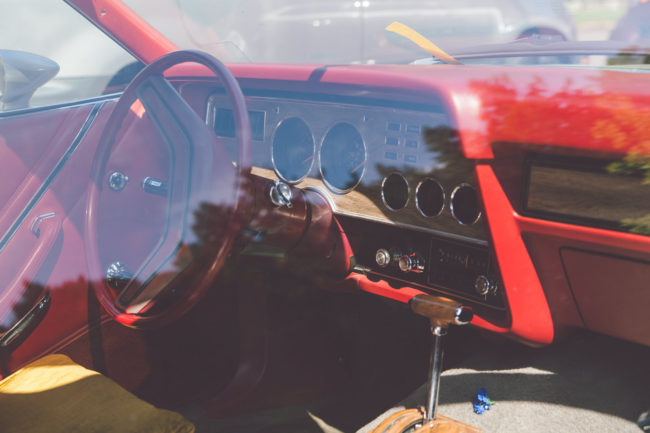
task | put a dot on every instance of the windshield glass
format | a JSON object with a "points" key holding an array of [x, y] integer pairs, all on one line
{"points": [[353, 31]]}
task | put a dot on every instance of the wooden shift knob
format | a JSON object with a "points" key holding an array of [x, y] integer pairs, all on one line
{"points": [[440, 311], [412, 420]]}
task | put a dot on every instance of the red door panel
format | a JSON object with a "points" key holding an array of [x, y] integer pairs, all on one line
{"points": [[611, 292], [31, 145], [41, 243]]}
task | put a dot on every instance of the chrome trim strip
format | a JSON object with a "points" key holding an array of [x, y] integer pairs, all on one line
{"points": [[50, 178], [79, 103]]}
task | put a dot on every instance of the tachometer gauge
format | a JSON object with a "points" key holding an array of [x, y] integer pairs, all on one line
{"points": [[293, 150], [342, 158]]}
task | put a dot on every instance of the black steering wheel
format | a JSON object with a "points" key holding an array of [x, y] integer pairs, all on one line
{"points": [[154, 244]]}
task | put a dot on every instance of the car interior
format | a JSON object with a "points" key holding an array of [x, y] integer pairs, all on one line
{"points": [[266, 247]]}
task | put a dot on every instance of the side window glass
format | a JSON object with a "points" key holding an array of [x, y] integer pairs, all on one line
{"points": [[50, 54]]}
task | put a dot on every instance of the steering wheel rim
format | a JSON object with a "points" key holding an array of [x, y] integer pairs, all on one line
{"points": [[177, 122]]}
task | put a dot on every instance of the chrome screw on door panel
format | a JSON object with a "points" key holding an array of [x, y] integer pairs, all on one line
{"points": [[117, 276], [117, 180]]}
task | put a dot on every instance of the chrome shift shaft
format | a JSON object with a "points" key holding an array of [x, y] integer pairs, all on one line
{"points": [[435, 369], [441, 313]]}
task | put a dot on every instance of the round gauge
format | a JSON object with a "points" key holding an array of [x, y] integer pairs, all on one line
{"points": [[342, 158], [293, 150]]}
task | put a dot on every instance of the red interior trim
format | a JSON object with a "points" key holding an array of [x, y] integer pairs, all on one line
{"points": [[126, 27], [530, 313], [382, 288]]}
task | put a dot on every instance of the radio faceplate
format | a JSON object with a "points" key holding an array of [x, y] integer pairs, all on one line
{"points": [[463, 268], [459, 268]]}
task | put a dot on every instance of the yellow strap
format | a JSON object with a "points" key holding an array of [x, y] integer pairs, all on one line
{"points": [[422, 42]]}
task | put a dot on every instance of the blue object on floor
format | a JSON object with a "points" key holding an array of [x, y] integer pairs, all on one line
{"points": [[482, 402]]}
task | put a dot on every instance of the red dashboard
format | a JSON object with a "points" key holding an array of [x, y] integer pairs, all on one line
{"points": [[553, 159]]}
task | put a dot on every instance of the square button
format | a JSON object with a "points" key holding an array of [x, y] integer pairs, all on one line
{"points": [[413, 129], [392, 141]]}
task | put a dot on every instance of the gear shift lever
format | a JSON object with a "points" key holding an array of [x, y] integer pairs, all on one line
{"points": [[441, 313]]}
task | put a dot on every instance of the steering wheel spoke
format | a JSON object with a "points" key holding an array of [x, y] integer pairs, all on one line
{"points": [[174, 118]]}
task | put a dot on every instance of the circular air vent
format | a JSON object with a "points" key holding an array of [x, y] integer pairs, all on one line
{"points": [[395, 191], [464, 204], [430, 197]]}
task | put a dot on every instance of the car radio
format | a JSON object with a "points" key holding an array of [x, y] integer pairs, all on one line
{"points": [[433, 263]]}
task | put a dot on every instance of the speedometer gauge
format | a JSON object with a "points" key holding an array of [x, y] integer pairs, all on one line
{"points": [[293, 150], [342, 158]]}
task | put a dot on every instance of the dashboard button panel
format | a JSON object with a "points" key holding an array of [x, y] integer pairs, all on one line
{"points": [[435, 264]]}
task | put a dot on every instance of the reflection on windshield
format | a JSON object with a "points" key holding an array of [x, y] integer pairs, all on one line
{"points": [[349, 31]]}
